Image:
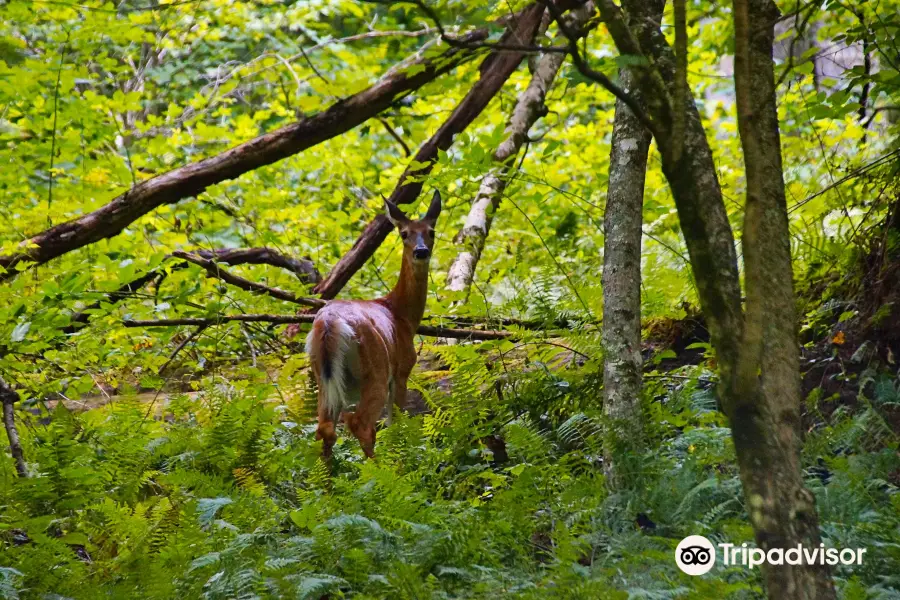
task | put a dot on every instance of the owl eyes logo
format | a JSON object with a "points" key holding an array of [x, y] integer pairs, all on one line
{"points": [[695, 555]]}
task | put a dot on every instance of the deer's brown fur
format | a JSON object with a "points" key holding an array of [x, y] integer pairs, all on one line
{"points": [[362, 351]]}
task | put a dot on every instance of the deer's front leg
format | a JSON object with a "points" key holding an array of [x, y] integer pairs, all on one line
{"points": [[405, 364]]}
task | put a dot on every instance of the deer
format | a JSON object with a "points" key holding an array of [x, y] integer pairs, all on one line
{"points": [[362, 351]]}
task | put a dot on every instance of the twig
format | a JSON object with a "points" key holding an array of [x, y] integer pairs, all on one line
{"points": [[799, 9], [507, 322], [469, 334], [585, 69], [877, 110], [303, 269], [117, 10], [122, 292], [799, 26], [852, 175], [62, 56], [457, 42], [551, 255], [9, 397], [396, 136], [214, 270], [182, 345]]}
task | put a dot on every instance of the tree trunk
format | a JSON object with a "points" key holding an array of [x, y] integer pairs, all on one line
{"points": [[757, 358], [691, 174], [764, 401], [622, 268], [528, 109], [190, 180], [495, 70]]}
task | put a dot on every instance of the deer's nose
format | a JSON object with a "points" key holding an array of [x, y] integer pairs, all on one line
{"points": [[421, 252]]}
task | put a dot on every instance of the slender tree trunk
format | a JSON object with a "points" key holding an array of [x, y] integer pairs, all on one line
{"points": [[622, 267], [528, 109], [691, 172], [8, 397], [764, 401]]}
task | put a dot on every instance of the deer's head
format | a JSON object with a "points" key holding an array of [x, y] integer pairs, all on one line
{"points": [[418, 236]]}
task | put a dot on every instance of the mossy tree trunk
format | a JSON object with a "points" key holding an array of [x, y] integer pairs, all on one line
{"points": [[622, 268], [764, 400], [757, 351]]}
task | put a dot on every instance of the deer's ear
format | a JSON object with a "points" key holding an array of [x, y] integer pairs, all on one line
{"points": [[434, 210], [394, 214]]}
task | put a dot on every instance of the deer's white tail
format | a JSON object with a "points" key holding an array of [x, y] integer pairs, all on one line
{"points": [[328, 346]]}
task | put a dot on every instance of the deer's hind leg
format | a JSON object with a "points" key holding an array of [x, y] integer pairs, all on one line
{"points": [[326, 429], [374, 383]]}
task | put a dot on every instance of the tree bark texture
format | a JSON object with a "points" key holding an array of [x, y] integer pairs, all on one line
{"points": [[622, 270], [190, 180], [9, 397], [764, 401], [758, 364], [528, 109], [495, 70], [692, 177]]}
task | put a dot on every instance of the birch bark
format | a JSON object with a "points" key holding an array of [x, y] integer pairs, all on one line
{"points": [[528, 109]]}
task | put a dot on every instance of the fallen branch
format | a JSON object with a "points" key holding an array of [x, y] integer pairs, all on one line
{"points": [[9, 397], [495, 70], [192, 179], [460, 334], [215, 270], [534, 325], [182, 345], [304, 269]]}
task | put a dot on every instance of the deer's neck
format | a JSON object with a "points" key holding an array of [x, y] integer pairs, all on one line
{"points": [[407, 299]]}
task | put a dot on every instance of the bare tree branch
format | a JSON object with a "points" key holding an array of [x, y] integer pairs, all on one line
{"points": [[396, 136], [585, 69], [191, 180], [426, 330], [187, 340], [458, 42], [215, 270], [304, 269], [495, 70], [528, 109]]}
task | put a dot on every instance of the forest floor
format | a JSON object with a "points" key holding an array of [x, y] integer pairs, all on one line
{"points": [[493, 486]]}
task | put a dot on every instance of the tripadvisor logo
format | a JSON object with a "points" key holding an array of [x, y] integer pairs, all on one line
{"points": [[696, 555]]}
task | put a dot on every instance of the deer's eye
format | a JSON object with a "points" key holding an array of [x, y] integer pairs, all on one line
{"points": [[431, 232], [404, 234]]}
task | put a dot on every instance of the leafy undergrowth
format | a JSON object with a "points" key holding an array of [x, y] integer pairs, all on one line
{"points": [[226, 497]]}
